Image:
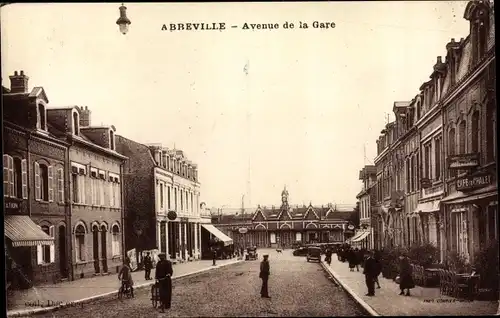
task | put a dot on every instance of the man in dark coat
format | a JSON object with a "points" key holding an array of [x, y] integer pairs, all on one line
{"points": [[148, 265], [405, 275], [164, 272], [264, 275], [328, 256], [371, 272]]}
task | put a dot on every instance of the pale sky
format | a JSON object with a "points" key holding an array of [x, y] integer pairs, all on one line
{"points": [[311, 102]]}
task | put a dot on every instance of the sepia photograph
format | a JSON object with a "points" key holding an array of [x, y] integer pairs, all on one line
{"points": [[250, 159]]}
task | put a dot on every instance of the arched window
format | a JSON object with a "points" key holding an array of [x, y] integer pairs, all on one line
{"points": [[80, 243], [41, 124], [451, 149], [46, 248], [462, 135], [111, 140], [475, 132], [115, 245], [76, 124], [44, 190], [490, 131]]}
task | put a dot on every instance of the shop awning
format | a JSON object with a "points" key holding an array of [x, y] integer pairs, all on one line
{"points": [[461, 197], [427, 207], [22, 231], [353, 239], [218, 234], [361, 237]]}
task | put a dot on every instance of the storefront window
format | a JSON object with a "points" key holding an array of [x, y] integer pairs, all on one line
{"points": [[492, 222]]}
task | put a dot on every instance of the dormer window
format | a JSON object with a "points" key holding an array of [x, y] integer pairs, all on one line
{"points": [[42, 118], [167, 159], [111, 140], [76, 124]]}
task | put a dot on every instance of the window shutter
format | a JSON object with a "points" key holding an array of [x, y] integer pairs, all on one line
{"points": [[11, 177], [51, 183], [39, 252], [60, 185], [52, 247], [5, 175], [37, 181], [24, 178]]}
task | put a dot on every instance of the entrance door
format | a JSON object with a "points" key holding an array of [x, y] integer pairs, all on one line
{"points": [[95, 248], [63, 260], [104, 251]]}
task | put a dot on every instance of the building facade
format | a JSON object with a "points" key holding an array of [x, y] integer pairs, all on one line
{"points": [[35, 189], [448, 139], [286, 225], [160, 180], [366, 198]]}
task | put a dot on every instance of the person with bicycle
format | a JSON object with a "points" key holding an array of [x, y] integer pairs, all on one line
{"points": [[125, 276], [163, 275]]}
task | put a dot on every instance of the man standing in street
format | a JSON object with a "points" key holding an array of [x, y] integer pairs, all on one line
{"points": [[214, 255], [371, 272], [148, 264], [164, 272], [264, 275]]}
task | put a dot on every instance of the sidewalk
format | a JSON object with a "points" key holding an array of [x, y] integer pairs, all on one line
{"points": [[387, 302], [21, 302]]}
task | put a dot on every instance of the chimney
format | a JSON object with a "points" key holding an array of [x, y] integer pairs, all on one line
{"points": [[19, 83], [85, 117]]}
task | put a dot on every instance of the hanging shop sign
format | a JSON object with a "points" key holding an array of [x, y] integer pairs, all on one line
{"points": [[474, 181], [463, 161], [243, 230]]}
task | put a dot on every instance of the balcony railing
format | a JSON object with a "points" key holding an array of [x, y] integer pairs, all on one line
{"points": [[433, 191]]}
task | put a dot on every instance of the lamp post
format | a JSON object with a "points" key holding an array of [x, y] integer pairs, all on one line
{"points": [[123, 22]]}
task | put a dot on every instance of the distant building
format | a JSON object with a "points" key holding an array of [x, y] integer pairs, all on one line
{"points": [[364, 235], [286, 225]]}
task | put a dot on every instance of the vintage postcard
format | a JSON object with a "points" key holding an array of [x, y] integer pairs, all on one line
{"points": [[248, 159]]}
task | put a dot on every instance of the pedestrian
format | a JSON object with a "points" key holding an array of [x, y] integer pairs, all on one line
{"points": [[328, 256], [351, 259], [405, 275], [378, 260], [214, 255], [358, 258], [163, 275], [264, 275], [125, 275], [370, 271], [148, 265]]}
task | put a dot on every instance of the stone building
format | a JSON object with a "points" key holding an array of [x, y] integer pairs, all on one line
{"points": [[159, 180], [35, 188], [286, 225], [95, 182], [366, 198]]}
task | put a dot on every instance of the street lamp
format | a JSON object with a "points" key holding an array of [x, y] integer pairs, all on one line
{"points": [[123, 21]]}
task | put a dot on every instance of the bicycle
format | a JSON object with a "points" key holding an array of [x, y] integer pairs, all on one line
{"points": [[125, 290]]}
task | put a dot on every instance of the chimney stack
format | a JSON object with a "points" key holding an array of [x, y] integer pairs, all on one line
{"points": [[85, 117], [19, 83]]}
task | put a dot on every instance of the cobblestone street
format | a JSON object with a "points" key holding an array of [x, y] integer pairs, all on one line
{"points": [[297, 288]]}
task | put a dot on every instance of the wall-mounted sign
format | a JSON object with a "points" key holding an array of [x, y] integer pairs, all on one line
{"points": [[463, 161], [12, 205], [171, 215], [243, 230], [351, 227], [425, 183], [474, 181]]}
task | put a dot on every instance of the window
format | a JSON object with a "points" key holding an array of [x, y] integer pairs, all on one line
{"points": [[167, 159], [41, 124], [459, 229], [60, 185], [115, 240], [182, 200], [161, 196], [15, 178], [427, 161], [76, 124], [462, 135], [44, 180], [80, 243], [168, 197], [491, 131], [192, 201], [437, 158], [175, 198], [475, 132], [451, 150], [46, 253], [187, 201], [111, 140], [74, 183], [78, 175]]}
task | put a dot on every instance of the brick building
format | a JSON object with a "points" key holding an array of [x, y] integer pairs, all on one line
{"points": [[159, 180], [447, 135], [35, 188], [286, 225], [364, 236]]}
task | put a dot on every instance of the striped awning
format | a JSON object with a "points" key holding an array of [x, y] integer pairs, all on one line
{"points": [[22, 231]]}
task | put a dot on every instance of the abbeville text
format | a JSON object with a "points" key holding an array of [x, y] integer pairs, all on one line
{"points": [[214, 26]]}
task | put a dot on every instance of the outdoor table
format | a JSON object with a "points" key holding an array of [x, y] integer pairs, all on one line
{"points": [[471, 281], [432, 276]]}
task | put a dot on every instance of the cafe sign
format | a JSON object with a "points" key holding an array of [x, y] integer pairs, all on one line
{"points": [[463, 161], [474, 182]]}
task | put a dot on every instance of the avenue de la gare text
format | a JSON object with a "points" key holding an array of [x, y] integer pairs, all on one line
{"points": [[220, 26]]}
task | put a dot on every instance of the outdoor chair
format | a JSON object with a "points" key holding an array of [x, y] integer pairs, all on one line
{"points": [[442, 281], [456, 286], [449, 282]]}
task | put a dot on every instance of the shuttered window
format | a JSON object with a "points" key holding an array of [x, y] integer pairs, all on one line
{"points": [[38, 190], [50, 183], [60, 185]]}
